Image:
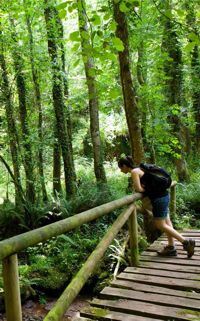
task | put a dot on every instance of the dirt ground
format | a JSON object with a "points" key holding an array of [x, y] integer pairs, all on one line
{"points": [[33, 311]]}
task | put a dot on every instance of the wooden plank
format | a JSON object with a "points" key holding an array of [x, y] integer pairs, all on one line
{"points": [[104, 314], [181, 253], [158, 247], [161, 245], [81, 319], [197, 238], [179, 256], [164, 242], [157, 280], [136, 286], [148, 309], [170, 267], [188, 231], [116, 293], [169, 274], [189, 262]]}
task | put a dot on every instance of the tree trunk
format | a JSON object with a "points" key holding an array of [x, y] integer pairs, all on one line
{"points": [[196, 93], [195, 64], [92, 93], [21, 89], [129, 94], [38, 106], [65, 82], [57, 188], [12, 131], [58, 99], [173, 71], [141, 76]]}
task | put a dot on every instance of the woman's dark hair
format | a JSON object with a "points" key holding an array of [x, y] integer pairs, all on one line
{"points": [[126, 161]]}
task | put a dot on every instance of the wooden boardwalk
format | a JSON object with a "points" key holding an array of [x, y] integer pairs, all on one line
{"points": [[159, 289]]}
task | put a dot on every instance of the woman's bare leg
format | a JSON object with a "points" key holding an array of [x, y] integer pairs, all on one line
{"points": [[165, 226], [169, 237]]}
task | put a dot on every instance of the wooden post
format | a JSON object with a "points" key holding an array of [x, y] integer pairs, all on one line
{"points": [[173, 201], [133, 232], [11, 288]]}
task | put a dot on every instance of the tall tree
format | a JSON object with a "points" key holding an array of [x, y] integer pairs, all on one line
{"points": [[57, 187], [129, 91], [36, 84], [195, 64], [21, 90], [92, 92], [12, 131], [58, 97], [174, 80]]}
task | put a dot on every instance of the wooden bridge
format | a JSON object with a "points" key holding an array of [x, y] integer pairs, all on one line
{"points": [[153, 288], [159, 289]]}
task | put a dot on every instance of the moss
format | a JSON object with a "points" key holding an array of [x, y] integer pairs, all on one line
{"points": [[98, 312], [191, 314]]}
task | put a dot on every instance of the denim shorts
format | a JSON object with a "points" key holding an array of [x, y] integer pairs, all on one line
{"points": [[160, 207]]}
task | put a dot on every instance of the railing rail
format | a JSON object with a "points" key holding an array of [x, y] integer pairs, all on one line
{"points": [[10, 247], [20, 242]]}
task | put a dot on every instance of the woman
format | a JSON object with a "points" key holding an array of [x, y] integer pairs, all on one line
{"points": [[160, 208]]}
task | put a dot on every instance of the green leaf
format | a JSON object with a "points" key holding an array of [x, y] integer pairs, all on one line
{"points": [[194, 37], [72, 7], [62, 5], [76, 47], [123, 7], [113, 26], [118, 44], [114, 93], [74, 36], [76, 63], [85, 59], [107, 16], [62, 14], [190, 46], [99, 33], [111, 56], [168, 14], [96, 20], [92, 72], [180, 13], [85, 35], [135, 3]]}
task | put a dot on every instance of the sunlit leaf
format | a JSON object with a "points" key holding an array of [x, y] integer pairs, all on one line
{"points": [[113, 26], [123, 7], [118, 44], [85, 35], [96, 20], [190, 46], [74, 36], [62, 5], [62, 14]]}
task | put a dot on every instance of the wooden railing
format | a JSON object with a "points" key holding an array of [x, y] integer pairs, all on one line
{"points": [[10, 247]]}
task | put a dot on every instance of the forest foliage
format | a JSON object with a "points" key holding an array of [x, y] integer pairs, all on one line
{"points": [[63, 66], [83, 82]]}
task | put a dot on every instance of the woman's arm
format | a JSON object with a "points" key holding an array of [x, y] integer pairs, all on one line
{"points": [[136, 173]]}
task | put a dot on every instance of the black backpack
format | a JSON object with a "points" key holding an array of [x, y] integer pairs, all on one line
{"points": [[157, 179]]}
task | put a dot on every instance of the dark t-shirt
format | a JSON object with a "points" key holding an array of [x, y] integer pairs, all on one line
{"points": [[149, 184]]}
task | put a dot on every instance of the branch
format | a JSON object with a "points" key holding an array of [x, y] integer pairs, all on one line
{"points": [[19, 188]]}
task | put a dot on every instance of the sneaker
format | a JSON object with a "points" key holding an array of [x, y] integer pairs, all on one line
{"points": [[189, 245], [168, 250]]}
